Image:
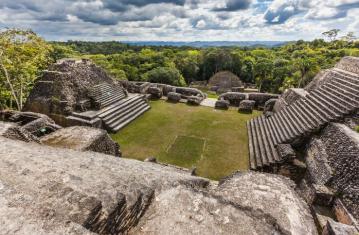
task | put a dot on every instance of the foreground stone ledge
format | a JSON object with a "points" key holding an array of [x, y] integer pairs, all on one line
{"points": [[47, 190]]}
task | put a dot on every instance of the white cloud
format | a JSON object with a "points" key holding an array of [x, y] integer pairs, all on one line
{"points": [[186, 20]]}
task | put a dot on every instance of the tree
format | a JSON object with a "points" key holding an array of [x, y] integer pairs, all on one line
{"points": [[165, 75], [332, 34], [22, 56], [263, 72], [307, 67], [350, 37]]}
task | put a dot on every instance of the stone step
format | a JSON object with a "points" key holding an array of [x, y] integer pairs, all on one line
{"points": [[321, 107], [133, 117], [252, 159], [295, 121], [277, 126], [344, 92], [348, 89], [100, 89], [343, 98], [306, 116], [114, 113], [291, 124], [116, 117], [284, 127], [315, 115], [352, 77], [328, 102], [335, 112], [273, 131], [325, 116], [303, 122], [112, 100], [108, 95], [347, 81], [125, 115], [256, 145], [119, 105], [259, 137], [274, 155], [262, 143], [334, 100], [266, 139]]}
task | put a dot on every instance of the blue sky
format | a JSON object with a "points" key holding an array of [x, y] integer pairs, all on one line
{"points": [[181, 20]]}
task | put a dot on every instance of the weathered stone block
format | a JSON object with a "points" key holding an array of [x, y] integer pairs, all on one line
{"points": [[246, 106], [286, 152], [155, 92], [222, 104], [269, 105], [335, 228], [194, 100], [174, 97]]}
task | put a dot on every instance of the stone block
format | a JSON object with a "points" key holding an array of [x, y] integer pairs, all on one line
{"points": [[234, 98], [269, 105], [335, 228], [155, 92], [246, 106], [194, 100], [174, 97], [222, 104]]}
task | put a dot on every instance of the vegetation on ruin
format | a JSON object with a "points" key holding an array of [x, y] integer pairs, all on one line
{"points": [[24, 55], [214, 141]]}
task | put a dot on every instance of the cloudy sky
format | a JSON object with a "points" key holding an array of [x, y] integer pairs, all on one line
{"points": [[181, 20]]}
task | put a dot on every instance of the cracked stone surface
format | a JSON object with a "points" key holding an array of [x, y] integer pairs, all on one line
{"points": [[47, 190]]}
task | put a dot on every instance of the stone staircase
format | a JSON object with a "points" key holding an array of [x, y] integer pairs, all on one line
{"points": [[336, 98], [106, 94], [117, 115], [116, 109]]}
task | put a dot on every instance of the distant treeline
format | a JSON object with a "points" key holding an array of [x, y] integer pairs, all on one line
{"points": [[24, 55], [272, 69]]}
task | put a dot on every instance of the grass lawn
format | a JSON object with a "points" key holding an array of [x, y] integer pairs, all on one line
{"points": [[214, 141]]}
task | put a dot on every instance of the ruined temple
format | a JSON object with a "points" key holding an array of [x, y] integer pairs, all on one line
{"points": [[303, 156], [77, 92], [310, 137], [224, 81]]}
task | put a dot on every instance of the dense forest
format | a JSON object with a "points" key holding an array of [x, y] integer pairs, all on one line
{"points": [[23, 55]]}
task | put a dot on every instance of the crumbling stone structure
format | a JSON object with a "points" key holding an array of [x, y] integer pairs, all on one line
{"points": [[26, 126], [77, 92], [317, 123]]}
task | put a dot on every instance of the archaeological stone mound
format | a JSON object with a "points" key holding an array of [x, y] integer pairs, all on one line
{"points": [[224, 81]]}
